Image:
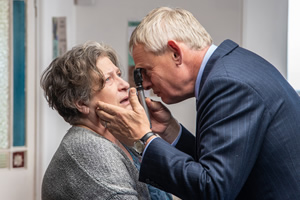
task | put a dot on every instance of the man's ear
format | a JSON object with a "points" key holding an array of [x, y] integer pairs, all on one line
{"points": [[82, 107], [174, 47]]}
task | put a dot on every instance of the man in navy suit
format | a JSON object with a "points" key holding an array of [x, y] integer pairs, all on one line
{"points": [[247, 141]]}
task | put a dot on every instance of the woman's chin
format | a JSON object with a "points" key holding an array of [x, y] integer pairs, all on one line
{"points": [[127, 106]]}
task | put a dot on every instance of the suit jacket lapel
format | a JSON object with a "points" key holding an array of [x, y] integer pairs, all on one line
{"points": [[225, 48]]}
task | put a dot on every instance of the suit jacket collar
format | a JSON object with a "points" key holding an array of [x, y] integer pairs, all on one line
{"points": [[223, 49]]}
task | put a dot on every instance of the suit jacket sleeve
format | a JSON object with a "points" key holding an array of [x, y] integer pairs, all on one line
{"points": [[186, 142], [230, 131]]}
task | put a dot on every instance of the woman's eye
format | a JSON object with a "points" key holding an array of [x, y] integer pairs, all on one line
{"points": [[107, 79]]}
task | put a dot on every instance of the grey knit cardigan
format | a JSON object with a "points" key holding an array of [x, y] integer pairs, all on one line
{"points": [[88, 166]]}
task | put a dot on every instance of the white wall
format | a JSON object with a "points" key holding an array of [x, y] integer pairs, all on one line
{"points": [[50, 126], [265, 30], [19, 183], [293, 70]]}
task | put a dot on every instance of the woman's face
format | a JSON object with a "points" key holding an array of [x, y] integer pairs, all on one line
{"points": [[115, 90]]}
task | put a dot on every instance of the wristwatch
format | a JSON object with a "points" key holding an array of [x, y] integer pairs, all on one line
{"points": [[139, 145]]}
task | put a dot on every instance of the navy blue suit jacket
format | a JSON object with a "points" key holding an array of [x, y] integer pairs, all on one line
{"points": [[247, 143]]}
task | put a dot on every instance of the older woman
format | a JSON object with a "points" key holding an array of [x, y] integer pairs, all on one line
{"points": [[90, 162]]}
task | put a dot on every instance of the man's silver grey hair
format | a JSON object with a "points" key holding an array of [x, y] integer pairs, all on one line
{"points": [[164, 24]]}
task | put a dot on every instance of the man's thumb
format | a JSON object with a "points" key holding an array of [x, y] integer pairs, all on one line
{"points": [[134, 101]]}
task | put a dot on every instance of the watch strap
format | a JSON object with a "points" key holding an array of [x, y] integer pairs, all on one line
{"points": [[146, 137]]}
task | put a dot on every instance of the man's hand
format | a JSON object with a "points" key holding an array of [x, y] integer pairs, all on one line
{"points": [[163, 123], [126, 125]]}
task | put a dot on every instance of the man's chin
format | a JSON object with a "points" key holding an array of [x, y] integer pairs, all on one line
{"points": [[169, 100]]}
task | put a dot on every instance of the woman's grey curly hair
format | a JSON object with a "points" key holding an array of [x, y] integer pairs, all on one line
{"points": [[71, 77]]}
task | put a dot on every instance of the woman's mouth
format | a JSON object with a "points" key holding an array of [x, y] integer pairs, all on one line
{"points": [[124, 100]]}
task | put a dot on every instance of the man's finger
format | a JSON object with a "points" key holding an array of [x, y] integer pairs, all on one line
{"points": [[154, 105], [134, 101], [108, 108], [103, 115], [107, 112]]}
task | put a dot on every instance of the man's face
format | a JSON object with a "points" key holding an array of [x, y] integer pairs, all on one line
{"points": [[159, 73]]}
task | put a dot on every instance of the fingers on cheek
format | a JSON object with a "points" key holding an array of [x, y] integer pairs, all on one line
{"points": [[103, 108], [99, 105], [101, 114]]}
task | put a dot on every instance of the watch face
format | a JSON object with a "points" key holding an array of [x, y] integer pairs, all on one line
{"points": [[139, 146]]}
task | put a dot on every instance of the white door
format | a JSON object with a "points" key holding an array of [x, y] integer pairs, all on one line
{"points": [[17, 149]]}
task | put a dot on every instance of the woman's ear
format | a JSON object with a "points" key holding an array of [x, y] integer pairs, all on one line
{"points": [[174, 47], [82, 107]]}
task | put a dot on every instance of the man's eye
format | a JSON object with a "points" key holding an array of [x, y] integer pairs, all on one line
{"points": [[145, 73]]}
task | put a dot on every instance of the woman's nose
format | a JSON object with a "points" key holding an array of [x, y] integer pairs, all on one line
{"points": [[123, 84]]}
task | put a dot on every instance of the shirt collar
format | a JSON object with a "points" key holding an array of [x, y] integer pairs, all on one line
{"points": [[208, 54]]}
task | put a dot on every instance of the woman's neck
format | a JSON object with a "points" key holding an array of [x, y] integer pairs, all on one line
{"points": [[105, 133], [99, 130]]}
